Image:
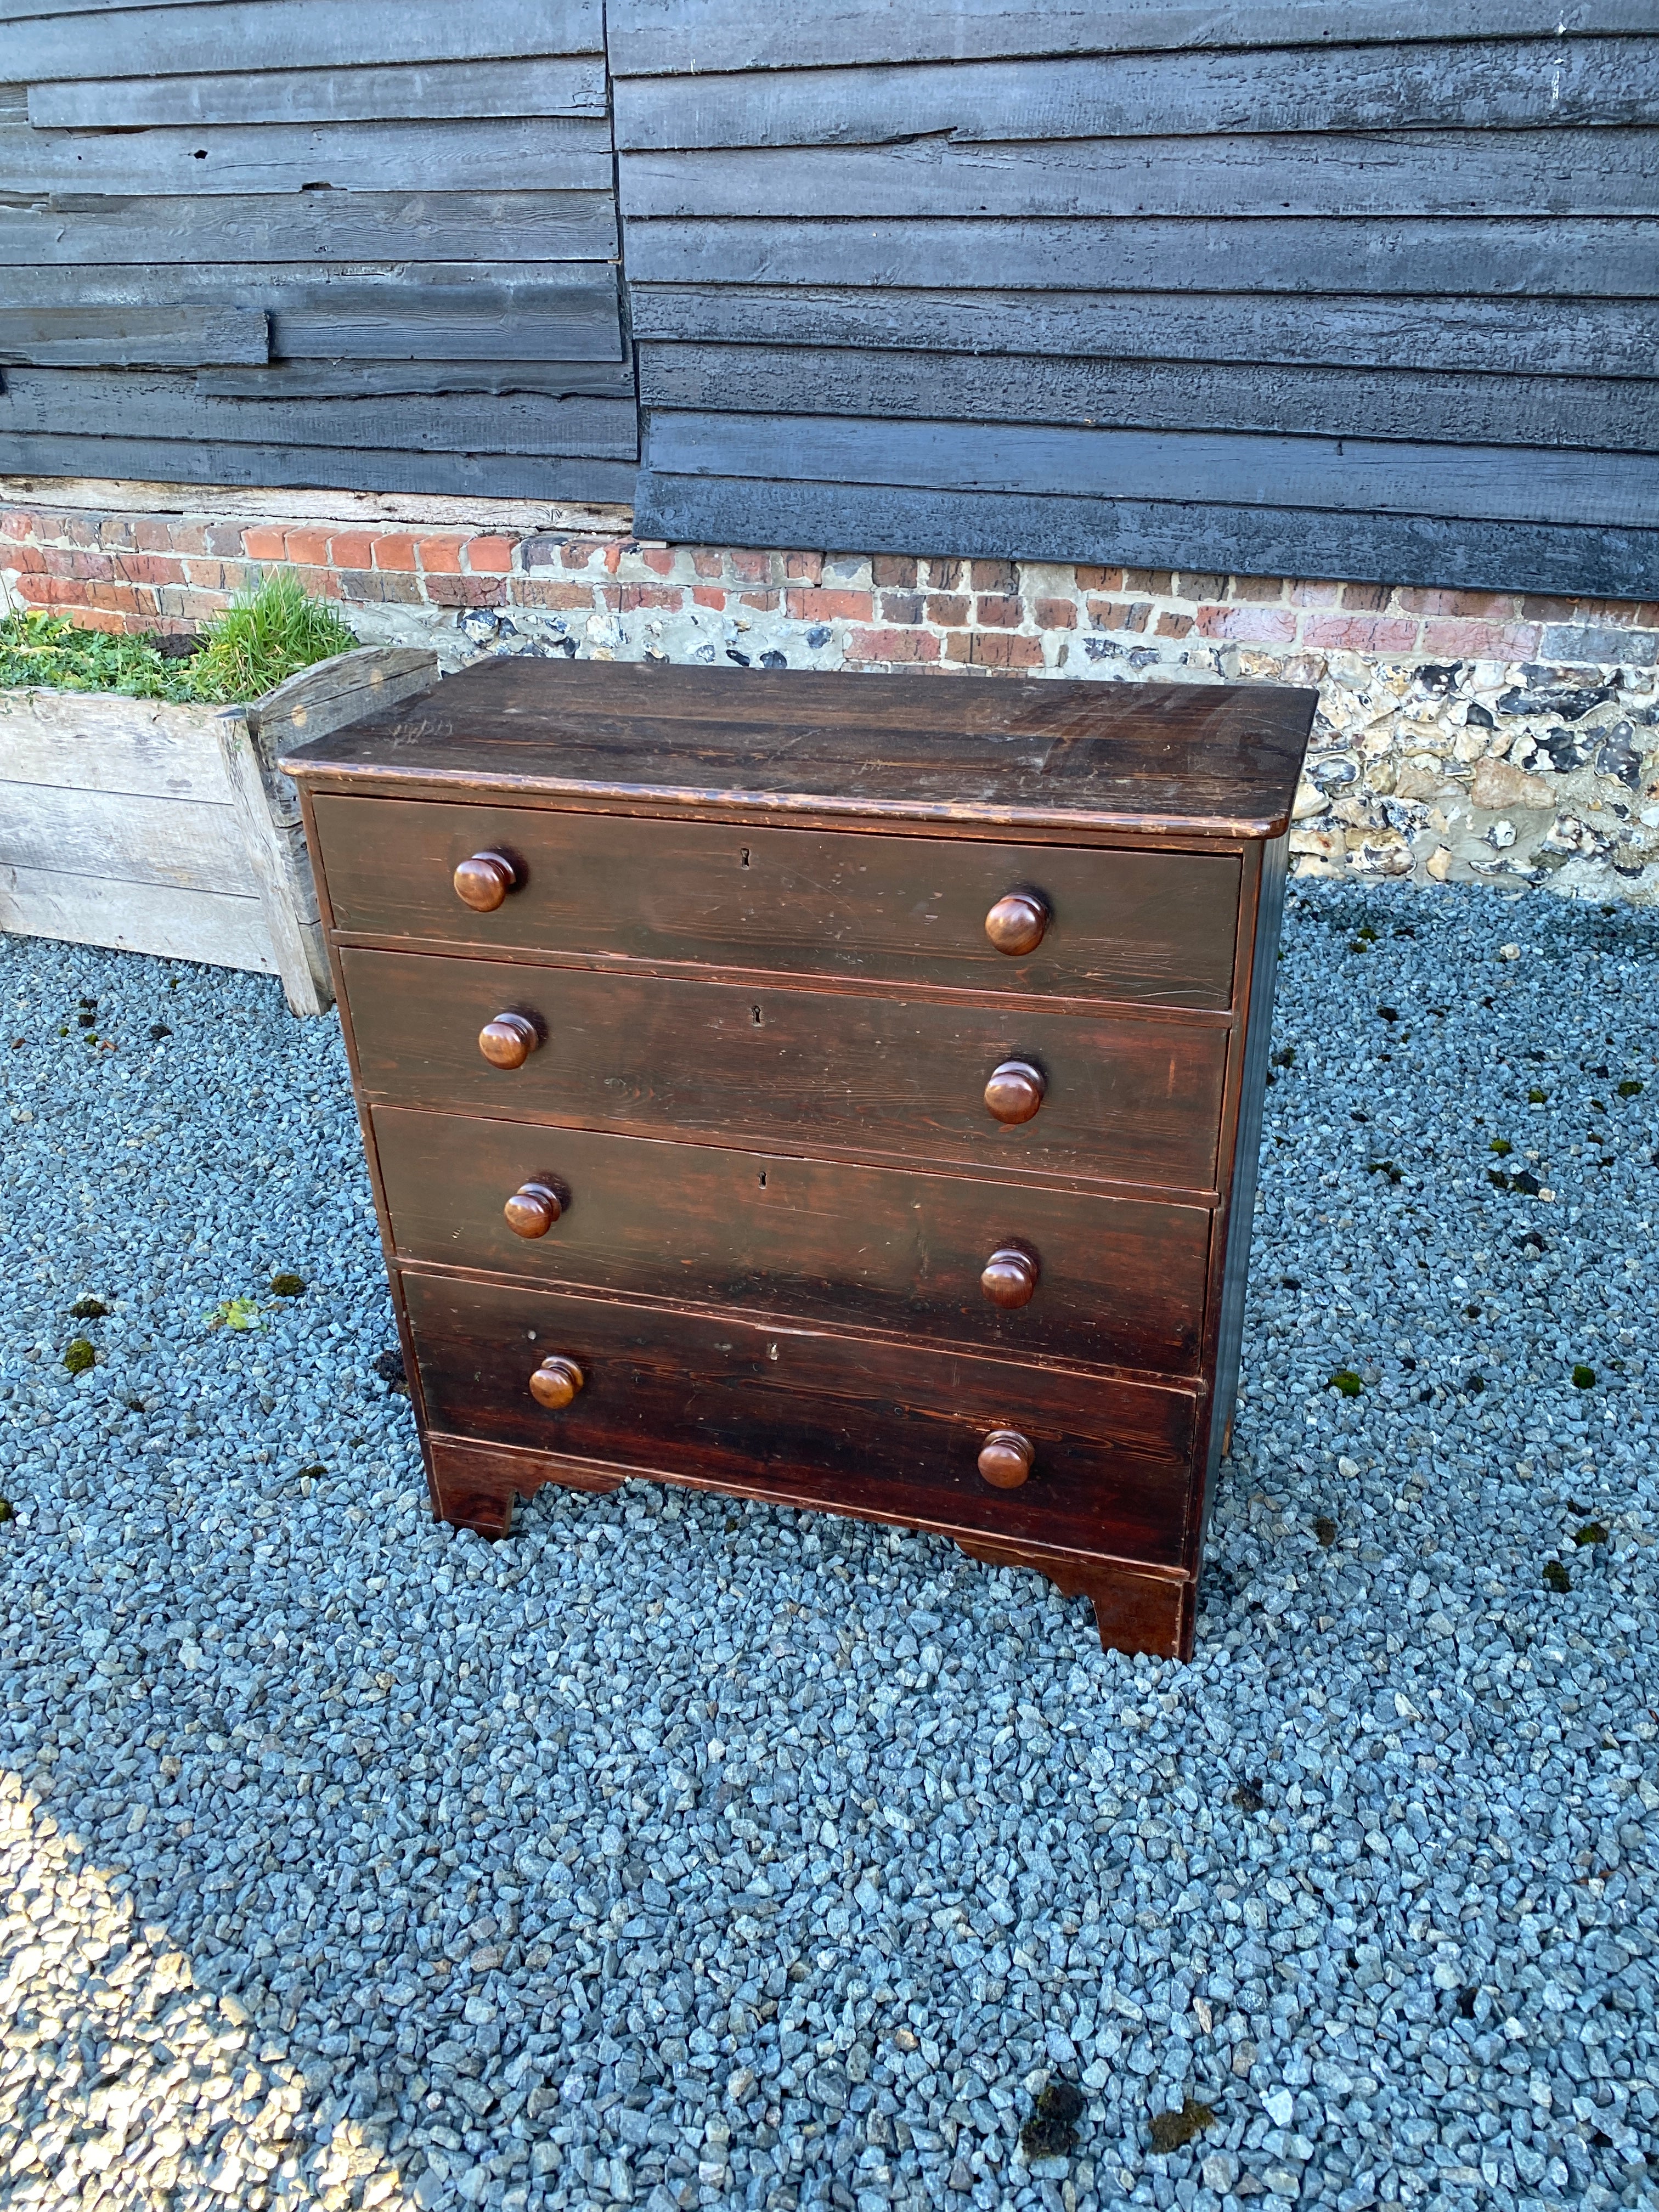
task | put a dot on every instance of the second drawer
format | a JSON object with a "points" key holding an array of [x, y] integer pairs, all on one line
{"points": [[1118, 1280], [1125, 1100]]}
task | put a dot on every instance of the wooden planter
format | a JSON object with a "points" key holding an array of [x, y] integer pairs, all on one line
{"points": [[163, 828]]}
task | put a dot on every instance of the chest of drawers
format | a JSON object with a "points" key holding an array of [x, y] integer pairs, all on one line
{"points": [[840, 1091]]}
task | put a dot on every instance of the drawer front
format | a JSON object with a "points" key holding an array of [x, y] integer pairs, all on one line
{"points": [[1118, 1280], [1157, 927], [793, 1414], [1125, 1100]]}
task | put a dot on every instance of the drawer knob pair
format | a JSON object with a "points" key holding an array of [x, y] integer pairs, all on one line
{"points": [[1018, 923], [484, 882], [556, 1383]]}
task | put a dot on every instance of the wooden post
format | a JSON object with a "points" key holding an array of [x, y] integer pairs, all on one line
{"points": [[251, 737]]}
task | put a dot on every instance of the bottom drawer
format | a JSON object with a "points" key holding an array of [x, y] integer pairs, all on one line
{"points": [[803, 1416]]}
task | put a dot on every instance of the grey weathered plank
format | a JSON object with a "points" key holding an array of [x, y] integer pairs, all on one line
{"points": [[374, 380], [223, 929], [557, 154], [325, 468], [1611, 413], [551, 85], [138, 840], [1615, 337], [1567, 257], [148, 748], [131, 336], [1222, 468], [274, 34], [136, 404], [1482, 86], [1149, 533], [649, 37], [90, 228], [565, 311], [1407, 173]]}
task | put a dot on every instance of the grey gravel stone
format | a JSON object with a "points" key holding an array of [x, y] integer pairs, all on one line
{"points": [[677, 1853]]}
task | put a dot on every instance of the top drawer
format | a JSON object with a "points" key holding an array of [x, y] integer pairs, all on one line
{"points": [[1156, 928]]}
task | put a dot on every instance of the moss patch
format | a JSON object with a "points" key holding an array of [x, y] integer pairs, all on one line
{"points": [[79, 1355], [1172, 2130]]}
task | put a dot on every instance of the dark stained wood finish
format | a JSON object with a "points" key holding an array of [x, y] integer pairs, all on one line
{"points": [[1130, 1101], [1154, 927], [767, 1237], [1120, 1282], [796, 1413], [1165, 759]]}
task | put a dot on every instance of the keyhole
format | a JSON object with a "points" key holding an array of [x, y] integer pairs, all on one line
{"points": [[756, 1012], [746, 856], [762, 1179]]}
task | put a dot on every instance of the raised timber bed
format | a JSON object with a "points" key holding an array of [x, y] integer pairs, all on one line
{"points": [[165, 829]]}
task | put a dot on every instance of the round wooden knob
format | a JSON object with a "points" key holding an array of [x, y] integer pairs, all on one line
{"points": [[1006, 1458], [556, 1383], [1009, 1277], [509, 1040], [1014, 1091], [1018, 923], [532, 1209], [484, 881]]}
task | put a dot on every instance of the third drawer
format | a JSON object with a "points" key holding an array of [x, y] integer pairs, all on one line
{"points": [[1118, 1281]]}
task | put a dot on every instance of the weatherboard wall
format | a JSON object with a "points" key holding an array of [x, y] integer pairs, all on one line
{"points": [[1346, 289], [364, 244]]}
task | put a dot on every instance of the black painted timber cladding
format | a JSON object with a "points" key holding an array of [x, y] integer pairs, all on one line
{"points": [[1329, 287], [1361, 288], [347, 243]]}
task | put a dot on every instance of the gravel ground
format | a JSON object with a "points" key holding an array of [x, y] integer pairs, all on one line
{"points": [[676, 1853]]}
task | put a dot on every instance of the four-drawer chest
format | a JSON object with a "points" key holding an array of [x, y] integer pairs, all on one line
{"points": [[841, 1090]]}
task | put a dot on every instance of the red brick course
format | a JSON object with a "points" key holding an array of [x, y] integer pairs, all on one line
{"points": [[149, 571]]}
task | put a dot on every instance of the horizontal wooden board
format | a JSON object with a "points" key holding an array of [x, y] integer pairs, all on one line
{"points": [[1483, 85], [558, 154], [371, 380], [93, 229], [216, 926], [1409, 174], [1223, 468], [1144, 928], [648, 38], [1120, 1281], [1491, 336], [788, 1068], [157, 460], [431, 91], [1609, 413], [124, 836], [565, 310], [1563, 258], [140, 405], [132, 336], [148, 748], [273, 34], [1151, 534]]}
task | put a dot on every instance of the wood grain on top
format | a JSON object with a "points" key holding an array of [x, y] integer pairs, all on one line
{"points": [[1173, 758]]}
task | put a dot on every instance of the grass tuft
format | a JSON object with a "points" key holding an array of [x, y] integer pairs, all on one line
{"points": [[265, 635]]}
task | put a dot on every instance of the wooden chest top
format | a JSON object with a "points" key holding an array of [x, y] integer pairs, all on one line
{"points": [[1166, 760]]}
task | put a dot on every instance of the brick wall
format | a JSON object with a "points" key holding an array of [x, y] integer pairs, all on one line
{"points": [[1462, 734]]}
